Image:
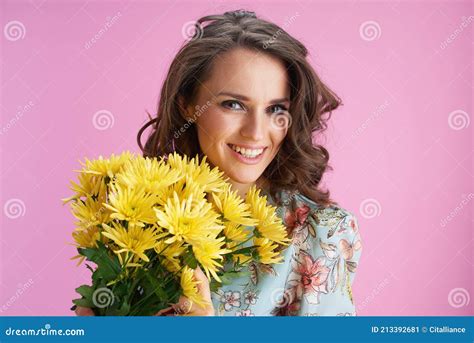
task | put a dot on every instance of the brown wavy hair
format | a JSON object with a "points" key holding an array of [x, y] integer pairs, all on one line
{"points": [[299, 165]]}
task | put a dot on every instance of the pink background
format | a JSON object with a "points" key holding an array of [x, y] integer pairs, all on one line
{"points": [[401, 146]]}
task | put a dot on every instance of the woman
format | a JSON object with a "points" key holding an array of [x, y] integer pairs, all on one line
{"points": [[242, 93]]}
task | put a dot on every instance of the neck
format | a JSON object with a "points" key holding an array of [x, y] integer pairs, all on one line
{"points": [[243, 188]]}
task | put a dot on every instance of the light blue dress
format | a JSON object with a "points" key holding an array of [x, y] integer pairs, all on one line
{"points": [[316, 275]]}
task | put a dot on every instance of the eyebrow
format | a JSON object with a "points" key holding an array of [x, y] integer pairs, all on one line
{"points": [[245, 98]]}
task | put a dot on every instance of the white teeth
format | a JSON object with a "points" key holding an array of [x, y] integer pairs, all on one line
{"points": [[247, 152]]}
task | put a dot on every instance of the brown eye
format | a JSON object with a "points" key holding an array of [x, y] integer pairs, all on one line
{"points": [[233, 105], [277, 109]]}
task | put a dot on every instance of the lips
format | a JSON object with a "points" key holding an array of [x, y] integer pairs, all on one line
{"points": [[249, 153], [252, 147], [247, 160]]}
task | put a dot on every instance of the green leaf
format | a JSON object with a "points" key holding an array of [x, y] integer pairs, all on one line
{"points": [[225, 279], [255, 256], [108, 267], [123, 310], [173, 290], [96, 278], [86, 291], [257, 234], [190, 260], [215, 286], [83, 303], [229, 276], [122, 289], [245, 251], [156, 286]]}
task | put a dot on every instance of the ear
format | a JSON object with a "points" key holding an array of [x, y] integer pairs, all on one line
{"points": [[184, 108]]}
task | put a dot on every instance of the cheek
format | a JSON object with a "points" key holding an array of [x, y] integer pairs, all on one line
{"points": [[213, 125], [278, 136]]}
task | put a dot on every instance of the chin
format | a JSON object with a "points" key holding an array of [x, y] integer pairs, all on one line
{"points": [[244, 179], [241, 174]]}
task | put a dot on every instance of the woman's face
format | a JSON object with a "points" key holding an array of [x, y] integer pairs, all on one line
{"points": [[249, 95]]}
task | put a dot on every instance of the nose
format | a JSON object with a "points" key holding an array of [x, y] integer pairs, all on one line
{"points": [[254, 126]]}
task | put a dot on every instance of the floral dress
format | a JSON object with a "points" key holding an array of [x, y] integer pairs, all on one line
{"points": [[316, 275]]}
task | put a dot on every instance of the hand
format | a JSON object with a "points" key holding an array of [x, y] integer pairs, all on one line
{"points": [[183, 308], [84, 311]]}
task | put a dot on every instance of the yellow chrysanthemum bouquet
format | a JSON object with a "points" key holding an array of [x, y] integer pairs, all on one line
{"points": [[146, 223]]}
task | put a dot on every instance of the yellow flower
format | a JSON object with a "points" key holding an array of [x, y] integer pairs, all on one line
{"points": [[86, 239], [90, 212], [148, 173], [189, 220], [133, 205], [171, 252], [266, 251], [209, 180], [128, 259], [88, 185], [106, 167], [184, 188], [190, 288], [208, 251], [238, 258], [178, 162], [236, 232], [135, 239], [233, 207], [269, 225]]}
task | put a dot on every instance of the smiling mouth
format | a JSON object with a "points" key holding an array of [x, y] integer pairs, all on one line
{"points": [[247, 153]]}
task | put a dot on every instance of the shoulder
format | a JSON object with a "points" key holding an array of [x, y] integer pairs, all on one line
{"points": [[332, 226], [325, 216]]}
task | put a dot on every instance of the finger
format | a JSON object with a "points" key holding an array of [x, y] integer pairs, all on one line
{"points": [[184, 305], [203, 286], [84, 311], [186, 308], [165, 311], [199, 274]]}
